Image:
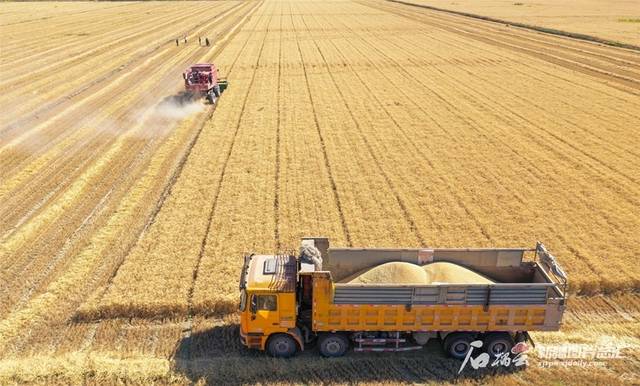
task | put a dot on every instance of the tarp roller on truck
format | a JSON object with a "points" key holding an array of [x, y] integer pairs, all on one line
{"points": [[286, 303]]}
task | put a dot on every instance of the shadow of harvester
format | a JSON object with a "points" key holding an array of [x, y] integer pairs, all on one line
{"points": [[216, 357]]}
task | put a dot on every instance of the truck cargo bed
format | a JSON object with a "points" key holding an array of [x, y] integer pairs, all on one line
{"points": [[528, 295]]}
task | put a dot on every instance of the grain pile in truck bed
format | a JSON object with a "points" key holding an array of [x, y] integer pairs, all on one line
{"points": [[408, 273], [394, 272], [445, 272]]}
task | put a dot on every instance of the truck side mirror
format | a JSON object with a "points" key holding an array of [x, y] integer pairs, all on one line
{"points": [[254, 305]]}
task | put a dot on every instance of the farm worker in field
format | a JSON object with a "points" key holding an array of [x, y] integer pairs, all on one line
{"points": [[185, 39], [177, 43], [207, 41], [199, 40]]}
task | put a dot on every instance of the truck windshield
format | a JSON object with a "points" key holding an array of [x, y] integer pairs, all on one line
{"points": [[243, 300]]}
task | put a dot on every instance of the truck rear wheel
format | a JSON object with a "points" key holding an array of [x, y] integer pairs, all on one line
{"points": [[282, 346], [457, 344], [333, 345], [497, 343]]}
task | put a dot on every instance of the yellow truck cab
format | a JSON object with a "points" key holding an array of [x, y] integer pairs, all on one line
{"points": [[288, 301], [268, 304]]}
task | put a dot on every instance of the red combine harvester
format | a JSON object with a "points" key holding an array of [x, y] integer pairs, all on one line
{"points": [[202, 80]]}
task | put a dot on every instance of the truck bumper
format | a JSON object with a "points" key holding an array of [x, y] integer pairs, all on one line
{"points": [[250, 340]]}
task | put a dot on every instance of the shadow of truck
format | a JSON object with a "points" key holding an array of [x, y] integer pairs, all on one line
{"points": [[217, 357]]}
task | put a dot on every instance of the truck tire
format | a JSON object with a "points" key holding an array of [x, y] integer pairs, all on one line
{"points": [[457, 344], [496, 343], [333, 345], [210, 98], [216, 90], [282, 346]]}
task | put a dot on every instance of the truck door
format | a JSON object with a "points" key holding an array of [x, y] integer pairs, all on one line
{"points": [[264, 312]]}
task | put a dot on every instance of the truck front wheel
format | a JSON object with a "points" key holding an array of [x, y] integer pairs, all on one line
{"points": [[333, 345], [282, 346]]}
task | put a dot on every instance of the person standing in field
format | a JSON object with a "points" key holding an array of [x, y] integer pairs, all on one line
{"points": [[177, 42], [207, 41]]}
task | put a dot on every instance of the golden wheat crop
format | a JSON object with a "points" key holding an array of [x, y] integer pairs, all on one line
{"points": [[614, 22], [373, 123]]}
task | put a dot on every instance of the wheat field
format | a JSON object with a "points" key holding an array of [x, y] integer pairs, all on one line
{"points": [[374, 123], [615, 20]]}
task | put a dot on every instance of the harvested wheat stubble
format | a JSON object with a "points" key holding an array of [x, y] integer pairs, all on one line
{"points": [[408, 273], [591, 17], [491, 136]]}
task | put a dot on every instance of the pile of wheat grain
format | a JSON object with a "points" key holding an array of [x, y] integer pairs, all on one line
{"points": [[407, 273], [394, 272], [445, 272]]}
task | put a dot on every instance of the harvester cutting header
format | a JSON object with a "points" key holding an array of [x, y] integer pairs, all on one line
{"points": [[203, 80]]}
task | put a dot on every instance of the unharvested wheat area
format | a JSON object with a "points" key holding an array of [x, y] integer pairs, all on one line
{"points": [[125, 216]]}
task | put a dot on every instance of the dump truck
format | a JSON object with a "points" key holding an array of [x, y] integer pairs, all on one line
{"points": [[289, 302], [202, 80]]}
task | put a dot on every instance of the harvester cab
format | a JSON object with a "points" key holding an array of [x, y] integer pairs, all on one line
{"points": [[202, 80]]}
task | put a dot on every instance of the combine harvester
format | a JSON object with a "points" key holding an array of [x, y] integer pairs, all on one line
{"points": [[287, 302], [202, 80]]}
